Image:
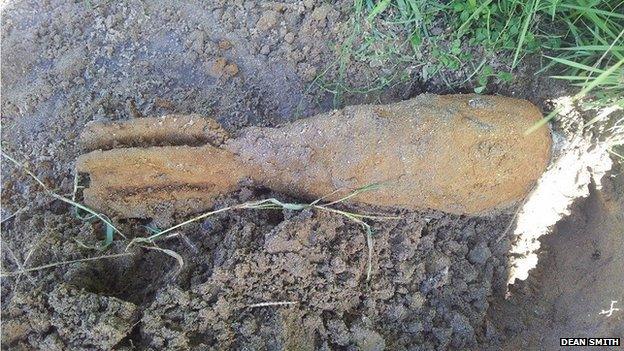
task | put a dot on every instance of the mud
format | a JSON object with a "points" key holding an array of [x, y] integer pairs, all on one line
{"points": [[65, 64], [456, 153]]}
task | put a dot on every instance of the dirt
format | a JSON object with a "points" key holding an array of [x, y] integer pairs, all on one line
{"points": [[431, 284], [577, 280], [454, 153], [438, 279], [320, 267], [80, 319]]}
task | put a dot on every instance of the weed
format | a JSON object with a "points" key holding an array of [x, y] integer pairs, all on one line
{"points": [[475, 43], [272, 304]]}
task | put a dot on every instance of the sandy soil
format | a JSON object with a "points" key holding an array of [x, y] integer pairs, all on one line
{"points": [[438, 280]]}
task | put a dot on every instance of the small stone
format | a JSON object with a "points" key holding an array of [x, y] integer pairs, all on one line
{"points": [[221, 68], [416, 301], [338, 265], [289, 38], [320, 13]]}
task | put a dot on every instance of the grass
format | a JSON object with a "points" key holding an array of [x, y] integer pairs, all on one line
{"points": [[473, 44], [63, 263], [590, 58]]}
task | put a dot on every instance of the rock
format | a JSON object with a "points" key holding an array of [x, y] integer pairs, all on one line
{"points": [[224, 45], [320, 13], [221, 68]]}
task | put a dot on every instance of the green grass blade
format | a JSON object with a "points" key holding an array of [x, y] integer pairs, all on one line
{"points": [[581, 94], [525, 29], [574, 64], [110, 228], [593, 10], [599, 80], [380, 7]]}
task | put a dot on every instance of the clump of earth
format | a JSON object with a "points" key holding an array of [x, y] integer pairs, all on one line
{"points": [[433, 275], [255, 279]]}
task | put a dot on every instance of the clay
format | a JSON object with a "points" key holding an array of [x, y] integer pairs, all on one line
{"points": [[462, 154]]}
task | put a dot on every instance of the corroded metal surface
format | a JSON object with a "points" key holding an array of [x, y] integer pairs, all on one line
{"points": [[463, 154]]}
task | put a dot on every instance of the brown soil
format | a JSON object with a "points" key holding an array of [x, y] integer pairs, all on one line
{"points": [[433, 275], [251, 63], [454, 153]]}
